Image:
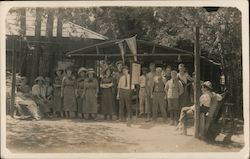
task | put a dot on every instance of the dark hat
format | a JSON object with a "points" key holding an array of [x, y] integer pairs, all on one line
{"points": [[118, 62], [125, 67], [39, 78], [207, 84]]}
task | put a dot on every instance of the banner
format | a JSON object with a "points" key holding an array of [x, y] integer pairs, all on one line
{"points": [[132, 46], [136, 71], [120, 44]]}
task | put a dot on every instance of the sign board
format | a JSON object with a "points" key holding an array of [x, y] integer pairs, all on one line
{"points": [[136, 71]]}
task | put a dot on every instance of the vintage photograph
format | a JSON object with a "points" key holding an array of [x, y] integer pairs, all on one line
{"points": [[124, 79]]}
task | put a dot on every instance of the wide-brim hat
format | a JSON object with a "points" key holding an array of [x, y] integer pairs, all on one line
{"points": [[118, 62], [125, 67], [158, 69], [91, 70], [39, 78], [207, 84], [82, 69]]}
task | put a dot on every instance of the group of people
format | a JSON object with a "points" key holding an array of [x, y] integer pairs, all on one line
{"points": [[168, 91]]}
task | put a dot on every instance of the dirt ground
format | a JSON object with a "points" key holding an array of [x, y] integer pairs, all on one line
{"points": [[78, 135]]}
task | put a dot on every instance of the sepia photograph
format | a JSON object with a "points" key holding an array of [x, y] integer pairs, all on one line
{"points": [[124, 78]]}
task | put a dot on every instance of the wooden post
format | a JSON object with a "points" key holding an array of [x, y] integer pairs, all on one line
{"points": [[13, 87], [197, 82]]}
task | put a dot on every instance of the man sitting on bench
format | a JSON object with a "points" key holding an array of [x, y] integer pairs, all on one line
{"points": [[209, 99]]}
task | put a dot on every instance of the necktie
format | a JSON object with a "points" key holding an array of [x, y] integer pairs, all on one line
{"points": [[126, 81]]}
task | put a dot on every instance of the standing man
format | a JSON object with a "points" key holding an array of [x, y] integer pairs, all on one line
{"points": [[173, 91], [158, 95], [123, 94], [167, 74], [143, 94], [149, 84], [117, 75]]}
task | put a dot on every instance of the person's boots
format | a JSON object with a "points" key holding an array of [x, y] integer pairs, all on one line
{"points": [[68, 114], [82, 115]]}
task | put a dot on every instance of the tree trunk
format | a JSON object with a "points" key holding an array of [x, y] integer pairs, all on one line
{"points": [[59, 34], [35, 53], [22, 55], [45, 61]]}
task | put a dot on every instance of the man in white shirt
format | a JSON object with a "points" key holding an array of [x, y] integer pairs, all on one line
{"points": [[124, 94], [143, 94]]}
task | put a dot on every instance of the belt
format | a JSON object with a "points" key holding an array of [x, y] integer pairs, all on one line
{"points": [[142, 87]]}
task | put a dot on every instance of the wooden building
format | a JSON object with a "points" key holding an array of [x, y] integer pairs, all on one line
{"points": [[147, 52]]}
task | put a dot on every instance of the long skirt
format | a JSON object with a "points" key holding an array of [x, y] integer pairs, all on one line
{"points": [[90, 104], [107, 101], [69, 99], [57, 100]]}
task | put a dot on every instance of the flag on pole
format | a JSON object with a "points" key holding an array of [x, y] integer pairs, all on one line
{"points": [[120, 44], [132, 46]]}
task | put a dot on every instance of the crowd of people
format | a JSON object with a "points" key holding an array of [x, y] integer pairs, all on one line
{"points": [[167, 91]]}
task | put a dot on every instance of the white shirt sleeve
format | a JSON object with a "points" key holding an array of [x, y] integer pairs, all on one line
{"points": [[205, 100]]}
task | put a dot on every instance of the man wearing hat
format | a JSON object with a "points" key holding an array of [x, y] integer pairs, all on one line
{"points": [[117, 76], [124, 93], [208, 103], [142, 93]]}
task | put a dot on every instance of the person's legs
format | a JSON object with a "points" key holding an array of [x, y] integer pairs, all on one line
{"points": [[162, 105], [121, 105], [128, 104], [155, 107], [142, 100], [147, 105]]}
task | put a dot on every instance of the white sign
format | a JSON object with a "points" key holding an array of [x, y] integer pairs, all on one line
{"points": [[136, 71]]}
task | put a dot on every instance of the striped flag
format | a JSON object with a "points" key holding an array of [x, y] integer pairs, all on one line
{"points": [[132, 46]]}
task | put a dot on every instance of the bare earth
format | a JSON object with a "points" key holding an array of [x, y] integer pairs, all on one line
{"points": [[77, 135]]}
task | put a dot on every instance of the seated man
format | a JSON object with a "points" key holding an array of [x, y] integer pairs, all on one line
{"points": [[24, 100], [208, 102]]}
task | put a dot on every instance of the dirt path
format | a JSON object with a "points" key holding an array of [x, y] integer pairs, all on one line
{"points": [[76, 135]]}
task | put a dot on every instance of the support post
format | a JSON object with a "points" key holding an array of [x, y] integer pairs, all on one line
{"points": [[13, 86], [197, 81]]}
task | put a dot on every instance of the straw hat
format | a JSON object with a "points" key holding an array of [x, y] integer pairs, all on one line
{"points": [[207, 84], [39, 78], [158, 69], [125, 67], [82, 69], [91, 70]]}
